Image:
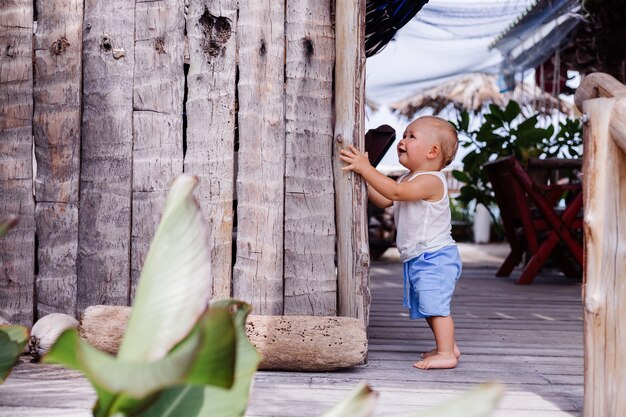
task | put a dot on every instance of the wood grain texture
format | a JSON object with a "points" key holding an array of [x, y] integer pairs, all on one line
{"points": [[350, 191], [211, 31], [17, 248], [106, 154], [258, 270], [605, 254], [157, 118], [310, 273], [56, 127]]}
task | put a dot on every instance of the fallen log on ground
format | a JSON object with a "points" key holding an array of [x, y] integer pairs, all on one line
{"points": [[294, 343]]}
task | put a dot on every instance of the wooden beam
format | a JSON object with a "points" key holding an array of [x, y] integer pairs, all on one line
{"points": [[310, 273], [158, 88], [17, 248], [56, 126], [258, 271], [604, 290], [350, 191], [104, 223], [211, 28]]}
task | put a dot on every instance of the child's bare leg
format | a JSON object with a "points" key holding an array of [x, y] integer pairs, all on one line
{"points": [[444, 358], [432, 352]]}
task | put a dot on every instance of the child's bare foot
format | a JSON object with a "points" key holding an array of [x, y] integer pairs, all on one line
{"points": [[437, 361], [432, 352]]}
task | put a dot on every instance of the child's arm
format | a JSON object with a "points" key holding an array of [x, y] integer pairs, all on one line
{"points": [[377, 199], [424, 187]]}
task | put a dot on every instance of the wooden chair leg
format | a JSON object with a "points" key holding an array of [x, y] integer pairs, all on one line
{"points": [[511, 261], [538, 260]]}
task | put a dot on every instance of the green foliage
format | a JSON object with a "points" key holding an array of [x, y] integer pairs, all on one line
{"points": [[506, 132], [178, 356], [13, 339]]}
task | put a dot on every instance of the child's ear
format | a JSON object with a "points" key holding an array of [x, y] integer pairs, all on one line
{"points": [[434, 151]]}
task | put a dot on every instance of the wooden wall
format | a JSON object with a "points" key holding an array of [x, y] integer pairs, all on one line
{"points": [[118, 97]]}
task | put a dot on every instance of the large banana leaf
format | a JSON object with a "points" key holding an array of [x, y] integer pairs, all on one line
{"points": [[196, 401], [12, 342], [479, 402], [206, 356], [175, 282]]}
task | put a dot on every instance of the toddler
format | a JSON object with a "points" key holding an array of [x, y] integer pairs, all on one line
{"points": [[422, 216]]}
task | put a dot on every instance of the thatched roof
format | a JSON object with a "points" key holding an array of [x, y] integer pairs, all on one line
{"points": [[474, 92]]}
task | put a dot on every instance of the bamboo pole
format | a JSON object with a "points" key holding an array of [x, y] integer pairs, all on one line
{"points": [[350, 192], [604, 290]]}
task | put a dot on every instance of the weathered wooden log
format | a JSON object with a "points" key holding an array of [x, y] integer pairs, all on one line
{"points": [[293, 343], [350, 191], [604, 292]]}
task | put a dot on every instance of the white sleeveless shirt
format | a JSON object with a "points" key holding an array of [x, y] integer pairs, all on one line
{"points": [[422, 226]]}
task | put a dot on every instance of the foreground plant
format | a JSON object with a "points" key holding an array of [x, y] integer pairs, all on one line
{"points": [[180, 356], [13, 339]]}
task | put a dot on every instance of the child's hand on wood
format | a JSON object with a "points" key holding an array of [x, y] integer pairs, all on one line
{"points": [[357, 161]]}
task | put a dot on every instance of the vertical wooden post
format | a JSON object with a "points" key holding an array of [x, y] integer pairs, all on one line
{"points": [[17, 249], [604, 291], [310, 277], [56, 126], [258, 271], [157, 118], [350, 191], [106, 154], [211, 28]]}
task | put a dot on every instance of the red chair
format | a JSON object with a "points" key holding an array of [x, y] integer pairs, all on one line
{"points": [[533, 225]]}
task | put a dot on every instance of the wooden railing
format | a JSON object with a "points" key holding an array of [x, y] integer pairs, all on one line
{"points": [[603, 101]]}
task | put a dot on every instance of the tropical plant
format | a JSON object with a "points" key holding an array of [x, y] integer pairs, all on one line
{"points": [[13, 339], [506, 132], [180, 355]]}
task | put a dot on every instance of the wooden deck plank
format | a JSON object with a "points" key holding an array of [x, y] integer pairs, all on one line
{"points": [[540, 361]]}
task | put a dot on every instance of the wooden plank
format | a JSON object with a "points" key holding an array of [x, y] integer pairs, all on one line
{"points": [[17, 248], [56, 127], [210, 109], [350, 191], [104, 223], [157, 118], [604, 289], [310, 274], [258, 270]]}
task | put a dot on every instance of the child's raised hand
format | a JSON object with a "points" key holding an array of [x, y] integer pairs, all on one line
{"points": [[356, 160]]}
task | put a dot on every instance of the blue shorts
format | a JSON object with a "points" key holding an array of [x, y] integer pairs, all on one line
{"points": [[429, 281]]}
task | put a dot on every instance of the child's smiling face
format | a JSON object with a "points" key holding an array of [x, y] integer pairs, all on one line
{"points": [[417, 142]]}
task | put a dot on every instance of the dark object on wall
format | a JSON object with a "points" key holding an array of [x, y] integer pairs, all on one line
{"points": [[384, 18]]}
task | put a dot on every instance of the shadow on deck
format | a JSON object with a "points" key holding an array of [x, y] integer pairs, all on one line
{"points": [[529, 337]]}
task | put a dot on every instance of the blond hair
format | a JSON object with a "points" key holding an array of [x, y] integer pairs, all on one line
{"points": [[447, 137]]}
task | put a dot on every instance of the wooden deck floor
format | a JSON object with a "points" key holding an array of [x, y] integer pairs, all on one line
{"points": [[529, 337]]}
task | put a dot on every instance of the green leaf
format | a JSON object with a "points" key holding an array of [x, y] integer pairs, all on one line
{"points": [[192, 401], [13, 339], [175, 282], [6, 224], [464, 120], [135, 379], [479, 402], [360, 403], [461, 176], [511, 111]]}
